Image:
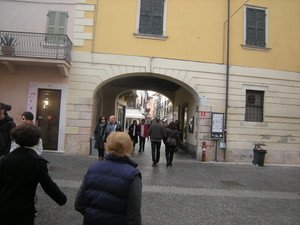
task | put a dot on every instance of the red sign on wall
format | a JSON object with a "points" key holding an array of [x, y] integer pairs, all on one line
{"points": [[202, 114]]}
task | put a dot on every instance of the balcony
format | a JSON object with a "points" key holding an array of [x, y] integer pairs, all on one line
{"points": [[33, 48]]}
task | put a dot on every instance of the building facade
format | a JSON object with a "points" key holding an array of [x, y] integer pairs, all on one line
{"points": [[236, 59]]}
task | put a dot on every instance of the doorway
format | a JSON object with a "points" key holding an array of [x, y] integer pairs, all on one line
{"points": [[185, 123], [48, 112]]}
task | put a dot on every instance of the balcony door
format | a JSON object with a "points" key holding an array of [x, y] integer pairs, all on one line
{"points": [[48, 112]]}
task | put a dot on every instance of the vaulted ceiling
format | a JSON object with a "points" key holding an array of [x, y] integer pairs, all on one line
{"points": [[146, 83]]}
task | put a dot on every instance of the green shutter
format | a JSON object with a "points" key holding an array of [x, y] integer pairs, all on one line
{"points": [[158, 15], [145, 16], [255, 27], [57, 22], [51, 22], [62, 23], [261, 28], [151, 17]]}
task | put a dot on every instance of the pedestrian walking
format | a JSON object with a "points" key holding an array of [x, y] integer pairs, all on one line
{"points": [[111, 191], [101, 132], [133, 132], [157, 133], [6, 126], [27, 118], [171, 143], [20, 173], [143, 134], [114, 125]]}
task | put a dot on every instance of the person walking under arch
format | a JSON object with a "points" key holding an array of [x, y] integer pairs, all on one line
{"points": [[114, 125], [100, 134], [157, 133], [133, 132], [6, 126], [173, 135], [143, 134]]}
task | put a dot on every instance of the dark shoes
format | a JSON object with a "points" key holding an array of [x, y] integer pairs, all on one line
{"points": [[169, 164], [154, 164]]}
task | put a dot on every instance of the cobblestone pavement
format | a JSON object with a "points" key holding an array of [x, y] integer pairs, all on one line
{"points": [[188, 193]]}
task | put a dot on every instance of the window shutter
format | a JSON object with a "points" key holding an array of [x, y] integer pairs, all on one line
{"points": [[62, 23], [251, 25], [151, 17], [57, 22], [256, 27], [51, 22], [261, 28], [145, 16], [158, 11]]}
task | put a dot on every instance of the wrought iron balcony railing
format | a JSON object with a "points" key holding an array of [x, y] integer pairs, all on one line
{"points": [[35, 45]]}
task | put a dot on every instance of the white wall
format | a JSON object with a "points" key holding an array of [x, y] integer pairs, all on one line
{"points": [[25, 16]]}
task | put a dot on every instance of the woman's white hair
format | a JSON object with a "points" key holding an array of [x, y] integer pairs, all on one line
{"points": [[119, 144]]}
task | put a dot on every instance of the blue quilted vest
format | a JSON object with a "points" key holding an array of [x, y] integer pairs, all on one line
{"points": [[108, 183]]}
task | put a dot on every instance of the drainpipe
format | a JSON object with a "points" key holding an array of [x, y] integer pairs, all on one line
{"points": [[227, 78]]}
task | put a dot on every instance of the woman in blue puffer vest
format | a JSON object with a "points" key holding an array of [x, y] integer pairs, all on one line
{"points": [[111, 191]]}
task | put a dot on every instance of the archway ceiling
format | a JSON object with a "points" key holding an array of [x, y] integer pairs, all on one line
{"points": [[146, 83]]}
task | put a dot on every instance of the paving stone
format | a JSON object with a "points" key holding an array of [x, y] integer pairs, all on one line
{"points": [[188, 193]]}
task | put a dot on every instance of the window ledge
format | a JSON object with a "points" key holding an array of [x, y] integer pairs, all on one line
{"points": [[251, 47], [150, 36], [254, 124]]}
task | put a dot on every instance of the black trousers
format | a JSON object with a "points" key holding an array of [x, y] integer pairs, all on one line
{"points": [[170, 149], [142, 143], [155, 147]]}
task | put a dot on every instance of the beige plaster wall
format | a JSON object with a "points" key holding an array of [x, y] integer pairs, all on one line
{"points": [[279, 129], [14, 86]]}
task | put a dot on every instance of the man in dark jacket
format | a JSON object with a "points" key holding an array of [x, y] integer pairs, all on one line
{"points": [[6, 125], [114, 125], [20, 173], [157, 133]]}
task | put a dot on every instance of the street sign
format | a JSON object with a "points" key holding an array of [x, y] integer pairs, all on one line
{"points": [[217, 125]]}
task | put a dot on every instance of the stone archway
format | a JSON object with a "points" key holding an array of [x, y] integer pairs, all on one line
{"points": [[105, 100], [92, 74]]}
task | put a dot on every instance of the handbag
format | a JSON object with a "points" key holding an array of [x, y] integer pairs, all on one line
{"points": [[166, 140]]}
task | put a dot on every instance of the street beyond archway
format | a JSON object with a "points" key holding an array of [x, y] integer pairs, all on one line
{"points": [[188, 193]]}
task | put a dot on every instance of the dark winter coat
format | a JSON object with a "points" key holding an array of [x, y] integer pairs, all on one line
{"points": [[174, 136], [100, 134], [20, 173], [157, 132], [6, 125], [103, 197], [137, 132]]}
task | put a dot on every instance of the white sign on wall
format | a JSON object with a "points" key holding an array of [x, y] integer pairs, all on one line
{"points": [[217, 125]]}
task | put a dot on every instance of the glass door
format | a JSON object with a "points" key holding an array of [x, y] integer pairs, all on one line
{"points": [[48, 112]]}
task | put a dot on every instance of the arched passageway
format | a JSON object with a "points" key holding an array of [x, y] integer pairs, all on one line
{"points": [[184, 99]]}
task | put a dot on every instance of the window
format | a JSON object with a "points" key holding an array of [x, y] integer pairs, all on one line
{"points": [[254, 106], [151, 20], [56, 25], [255, 27], [57, 22]]}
